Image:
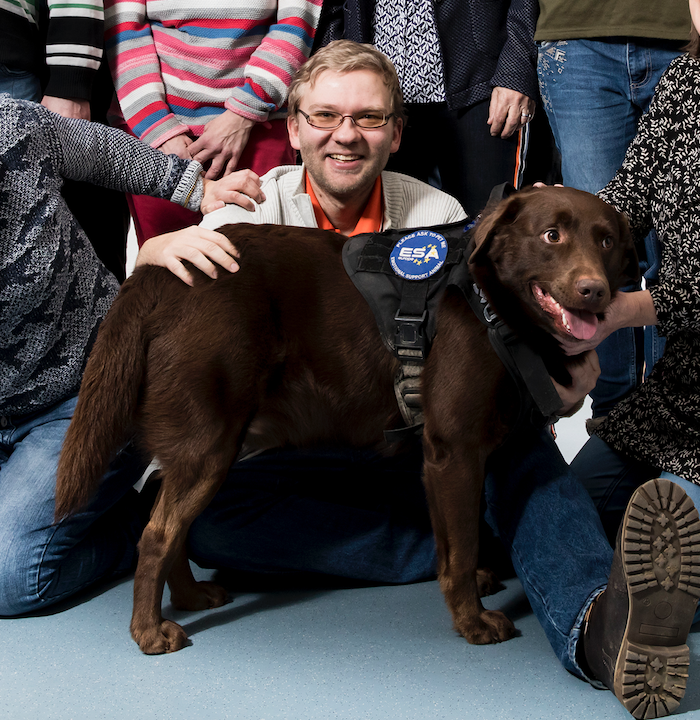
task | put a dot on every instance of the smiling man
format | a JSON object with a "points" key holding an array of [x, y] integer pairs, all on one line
{"points": [[345, 118], [360, 514]]}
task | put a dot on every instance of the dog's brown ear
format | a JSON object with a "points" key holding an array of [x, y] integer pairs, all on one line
{"points": [[629, 267], [502, 214]]}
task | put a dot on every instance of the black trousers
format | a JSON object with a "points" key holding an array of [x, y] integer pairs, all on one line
{"points": [[453, 150]]}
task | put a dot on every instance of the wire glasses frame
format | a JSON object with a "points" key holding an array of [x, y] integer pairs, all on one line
{"points": [[329, 120]]}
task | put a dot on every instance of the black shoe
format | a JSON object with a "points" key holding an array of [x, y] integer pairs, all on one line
{"points": [[635, 637]]}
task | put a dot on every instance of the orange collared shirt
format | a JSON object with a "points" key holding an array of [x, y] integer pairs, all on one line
{"points": [[372, 216]]}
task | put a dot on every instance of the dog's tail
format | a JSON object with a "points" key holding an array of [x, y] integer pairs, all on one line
{"points": [[105, 412]]}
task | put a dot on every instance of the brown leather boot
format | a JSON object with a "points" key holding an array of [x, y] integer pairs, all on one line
{"points": [[634, 640]]}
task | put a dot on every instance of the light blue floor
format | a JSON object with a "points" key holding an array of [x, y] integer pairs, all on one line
{"points": [[374, 653], [379, 653]]}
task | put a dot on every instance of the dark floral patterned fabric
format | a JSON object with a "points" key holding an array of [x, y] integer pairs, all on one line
{"points": [[658, 187]]}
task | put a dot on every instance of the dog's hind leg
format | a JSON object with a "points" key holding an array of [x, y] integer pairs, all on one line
{"points": [[186, 593], [487, 581], [187, 488]]}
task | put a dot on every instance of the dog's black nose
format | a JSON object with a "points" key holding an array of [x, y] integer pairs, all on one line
{"points": [[592, 290]]}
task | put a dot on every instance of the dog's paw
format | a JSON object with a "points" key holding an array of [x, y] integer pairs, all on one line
{"points": [[164, 637], [487, 582], [199, 596], [490, 626]]}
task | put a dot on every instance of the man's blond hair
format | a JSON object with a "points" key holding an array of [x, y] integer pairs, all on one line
{"points": [[343, 56]]}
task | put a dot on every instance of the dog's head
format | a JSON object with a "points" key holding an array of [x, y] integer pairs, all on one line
{"points": [[554, 256]]}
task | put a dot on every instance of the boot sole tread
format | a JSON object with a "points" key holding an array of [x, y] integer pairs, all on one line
{"points": [[654, 679], [661, 558]]}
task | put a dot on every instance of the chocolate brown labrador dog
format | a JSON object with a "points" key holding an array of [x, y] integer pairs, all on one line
{"points": [[287, 352]]}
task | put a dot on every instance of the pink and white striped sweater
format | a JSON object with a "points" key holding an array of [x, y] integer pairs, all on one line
{"points": [[178, 66]]}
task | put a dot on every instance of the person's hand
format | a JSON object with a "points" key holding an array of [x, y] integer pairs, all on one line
{"points": [[67, 107], [178, 145], [584, 370], [508, 111], [223, 140], [205, 249], [235, 189]]}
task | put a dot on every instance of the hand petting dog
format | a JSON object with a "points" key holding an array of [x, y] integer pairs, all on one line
{"points": [[206, 250], [584, 370]]}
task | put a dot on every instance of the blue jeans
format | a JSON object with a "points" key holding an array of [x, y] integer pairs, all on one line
{"points": [[594, 93], [355, 514], [42, 563], [546, 520], [20, 84], [333, 511]]}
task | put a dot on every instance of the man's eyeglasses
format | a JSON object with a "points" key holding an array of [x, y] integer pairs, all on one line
{"points": [[328, 120]]}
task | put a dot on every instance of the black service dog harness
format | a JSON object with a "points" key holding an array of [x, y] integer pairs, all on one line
{"points": [[402, 275]]}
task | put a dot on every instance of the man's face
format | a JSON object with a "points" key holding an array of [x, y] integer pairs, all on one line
{"points": [[344, 163]]}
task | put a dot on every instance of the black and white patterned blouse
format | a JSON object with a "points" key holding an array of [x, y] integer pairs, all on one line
{"points": [[405, 31], [659, 186], [53, 290]]}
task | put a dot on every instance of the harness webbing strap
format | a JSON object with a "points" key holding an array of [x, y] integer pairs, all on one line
{"points": [[406, 311], [410, 338], [524, 365]]}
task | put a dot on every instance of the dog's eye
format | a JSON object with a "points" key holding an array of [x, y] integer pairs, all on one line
{"points": [[551, 236], [607, 242]]}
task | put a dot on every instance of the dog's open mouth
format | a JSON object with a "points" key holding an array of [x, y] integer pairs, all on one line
{"points": [[580, 324]]}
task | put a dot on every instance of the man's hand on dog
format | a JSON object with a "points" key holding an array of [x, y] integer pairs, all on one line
{"points": [[239, 188], [205, 249], [584, 370]]}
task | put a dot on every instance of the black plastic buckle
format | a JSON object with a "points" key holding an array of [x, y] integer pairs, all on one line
{"points": [[409, 334], [489, 315]]}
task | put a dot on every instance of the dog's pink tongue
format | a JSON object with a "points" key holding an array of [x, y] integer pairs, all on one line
{"points": [[582, 324]]}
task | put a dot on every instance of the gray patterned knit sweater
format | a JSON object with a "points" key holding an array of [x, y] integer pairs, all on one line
{"points": [[53, 290]]}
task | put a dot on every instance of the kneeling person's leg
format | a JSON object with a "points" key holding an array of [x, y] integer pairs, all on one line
{"points": [[333, 511], [636, 631], [42, 562]]}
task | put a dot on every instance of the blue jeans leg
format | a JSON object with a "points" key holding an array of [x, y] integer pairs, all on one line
{"points": [[594, 92], [41, 563], [551, 528], [20, 84], [333, 511]]}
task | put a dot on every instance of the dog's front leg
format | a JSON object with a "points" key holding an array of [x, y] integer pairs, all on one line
{"points": [[454, 481], [461, 382]]}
